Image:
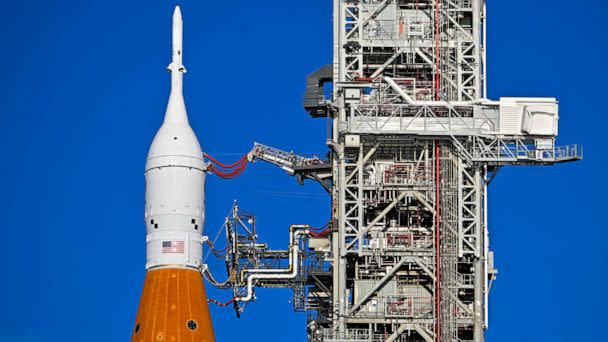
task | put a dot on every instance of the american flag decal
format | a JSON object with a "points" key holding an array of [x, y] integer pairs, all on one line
{"points": [[173, 247]]}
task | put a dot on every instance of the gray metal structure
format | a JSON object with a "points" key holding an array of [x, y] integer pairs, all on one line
{"points": [[414, 145]]}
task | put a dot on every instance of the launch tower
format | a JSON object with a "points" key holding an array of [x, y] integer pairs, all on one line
{"points": [[414, 145]]}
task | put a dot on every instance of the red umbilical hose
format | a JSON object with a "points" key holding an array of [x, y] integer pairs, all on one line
{"points": [[227, 171], [321, 231], [224, 166], [220, 304], [320, 234], [320, 228], [228, 175]]}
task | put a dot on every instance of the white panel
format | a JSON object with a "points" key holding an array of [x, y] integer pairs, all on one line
{"points": [[510, 117], [352, 140], [318, 244], [540, 119], [528, 116], [352, 95]]}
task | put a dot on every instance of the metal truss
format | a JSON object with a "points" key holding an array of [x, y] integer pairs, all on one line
{"points": [[414, 145], [379, 35], [410, 255]]}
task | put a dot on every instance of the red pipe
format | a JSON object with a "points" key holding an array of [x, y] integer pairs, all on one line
{"points": [[437, 242], [221, 304], [437, 78]]}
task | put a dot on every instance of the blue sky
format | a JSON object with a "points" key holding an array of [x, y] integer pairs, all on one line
{"points": [[84, 89]]}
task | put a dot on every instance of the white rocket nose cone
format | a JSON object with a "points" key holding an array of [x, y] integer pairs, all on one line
{"points": [[177, 13], [175, 137]]}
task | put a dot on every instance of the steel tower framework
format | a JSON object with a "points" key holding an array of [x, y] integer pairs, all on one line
{"points": [[414, 145]]}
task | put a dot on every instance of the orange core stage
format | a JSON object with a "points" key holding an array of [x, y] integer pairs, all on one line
{"points": [[173, 308]]}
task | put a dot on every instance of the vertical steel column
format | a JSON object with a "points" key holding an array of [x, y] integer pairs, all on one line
{"points": [[339, 247], [484, 60], [477, 27], [437, 65], [360, 225], [479, 257], [437, 242], [337, 162], [486, 247]]}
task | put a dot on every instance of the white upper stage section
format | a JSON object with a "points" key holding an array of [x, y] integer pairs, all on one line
{"points": [[175, 179]]}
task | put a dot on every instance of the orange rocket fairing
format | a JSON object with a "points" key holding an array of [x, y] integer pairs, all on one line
{"points": [[173, 308]]}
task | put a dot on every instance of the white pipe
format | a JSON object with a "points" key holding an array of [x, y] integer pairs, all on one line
{"points": [[286, 270], [289, 273]]}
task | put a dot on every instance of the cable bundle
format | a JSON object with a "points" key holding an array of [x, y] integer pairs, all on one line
{"points": [[221, 285], [220, 253], [229, 171], [320, 232]]}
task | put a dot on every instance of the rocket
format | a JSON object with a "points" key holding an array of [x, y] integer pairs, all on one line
{"points": [[173, 305]]}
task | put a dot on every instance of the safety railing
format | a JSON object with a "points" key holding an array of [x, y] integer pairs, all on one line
{"points": [[568, 153], [465, 279], [410, 307], [283, 158], [413, 119], [405, 174], [410, 241], [521, 151]]}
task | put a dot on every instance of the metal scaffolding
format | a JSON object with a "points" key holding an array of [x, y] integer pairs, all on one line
{"points": [[414, 144]]}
